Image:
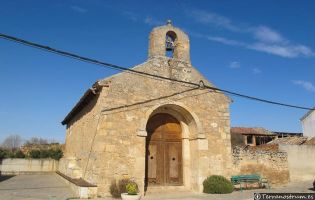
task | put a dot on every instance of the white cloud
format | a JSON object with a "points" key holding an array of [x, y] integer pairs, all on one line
{"points": [[265, 39], [130, 15], [288, 51], [78, 9], [234, 65], [206, 17], [256, 71], [266, 34], [305, 84], [224, 40], [152, 22]]}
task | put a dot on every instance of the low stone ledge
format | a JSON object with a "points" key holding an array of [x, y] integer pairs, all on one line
{"points": [[81, 187], [24, 173]]}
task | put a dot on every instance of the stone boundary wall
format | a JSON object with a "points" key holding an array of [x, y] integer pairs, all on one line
{"points": [[270, 164], [17, 166], [301, 160]]}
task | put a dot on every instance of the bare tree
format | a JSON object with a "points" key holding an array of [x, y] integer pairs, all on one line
{"points": [[12, 142], [36, 140]]}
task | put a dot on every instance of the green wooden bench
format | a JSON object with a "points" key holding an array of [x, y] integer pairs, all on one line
{"points": [[252, 178]]}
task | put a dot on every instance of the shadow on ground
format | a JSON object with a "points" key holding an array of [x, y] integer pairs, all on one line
{"points": [[5, 177]]}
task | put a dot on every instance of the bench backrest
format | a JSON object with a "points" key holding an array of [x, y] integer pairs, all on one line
{"points": [[246, 177]]}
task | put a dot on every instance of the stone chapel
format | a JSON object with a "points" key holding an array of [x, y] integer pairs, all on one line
{"points": [[158, 132]]}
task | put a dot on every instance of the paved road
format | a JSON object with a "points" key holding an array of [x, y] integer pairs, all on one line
{"points": [[51, 187], [34, 187], [298, 187]]}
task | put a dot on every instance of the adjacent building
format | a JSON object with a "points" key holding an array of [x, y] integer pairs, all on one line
{"points": [[308, 123], [251, 136]]}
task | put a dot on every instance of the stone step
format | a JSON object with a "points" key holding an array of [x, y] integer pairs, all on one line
{"points": [[166, 189]]}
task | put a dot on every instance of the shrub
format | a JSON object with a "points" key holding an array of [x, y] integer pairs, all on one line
{"points": [[132, 188], [19, 154], [34, 153], [44, 153], [116, 189], [3, 153], [217, 185], [56, 154], [9, 154]]}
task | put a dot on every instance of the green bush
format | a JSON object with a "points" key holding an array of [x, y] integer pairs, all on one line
{"points": [[56, 154], [7, 154], [51, 153], [132, 188], [34, 154], [44, 153], [116, 189], [217, 185], [19, 154], [3, 153]]}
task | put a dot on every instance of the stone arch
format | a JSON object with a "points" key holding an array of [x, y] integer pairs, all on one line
{"points": [[191, 132], [170, 44], [188, 119]]}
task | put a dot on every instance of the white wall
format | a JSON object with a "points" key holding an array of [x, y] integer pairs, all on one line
{"points": [[301, 159], [27, 166], [308, 125]]}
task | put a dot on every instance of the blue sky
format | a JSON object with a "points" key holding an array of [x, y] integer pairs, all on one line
{"points": [[260, 48]]}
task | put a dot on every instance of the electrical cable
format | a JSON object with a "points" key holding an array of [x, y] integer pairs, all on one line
{"points": [[116, 67]]}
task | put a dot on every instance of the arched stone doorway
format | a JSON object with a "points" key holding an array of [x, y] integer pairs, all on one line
{"points": [[164, 164], [192, 140]]}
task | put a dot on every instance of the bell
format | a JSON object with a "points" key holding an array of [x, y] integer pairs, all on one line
{"points": [[169, 43]]}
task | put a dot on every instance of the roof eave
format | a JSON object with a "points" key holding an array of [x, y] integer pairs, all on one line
{"points": [[85, 99]]}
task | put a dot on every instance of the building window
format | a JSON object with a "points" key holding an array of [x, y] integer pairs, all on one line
{"points": [[249, 139]]}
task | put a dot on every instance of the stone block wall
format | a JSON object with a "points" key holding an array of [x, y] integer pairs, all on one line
{"points": [[270, 164], [17, 166]]}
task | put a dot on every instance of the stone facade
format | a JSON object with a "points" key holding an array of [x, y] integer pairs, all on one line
{"points": [[267, 161], [106, 131]]}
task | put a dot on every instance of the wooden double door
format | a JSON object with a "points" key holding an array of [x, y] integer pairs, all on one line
{"points": [[164, 151]]}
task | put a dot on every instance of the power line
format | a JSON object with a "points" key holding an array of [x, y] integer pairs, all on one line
{"points": [[116, 67]]}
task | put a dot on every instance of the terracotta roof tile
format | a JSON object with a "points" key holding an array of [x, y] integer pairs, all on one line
{"points": [[289, 140], [250, 131]]}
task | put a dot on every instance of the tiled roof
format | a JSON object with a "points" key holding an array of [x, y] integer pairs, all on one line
{"points": [[310, 141], [289, 140], [250, 131], [288, 133]]}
